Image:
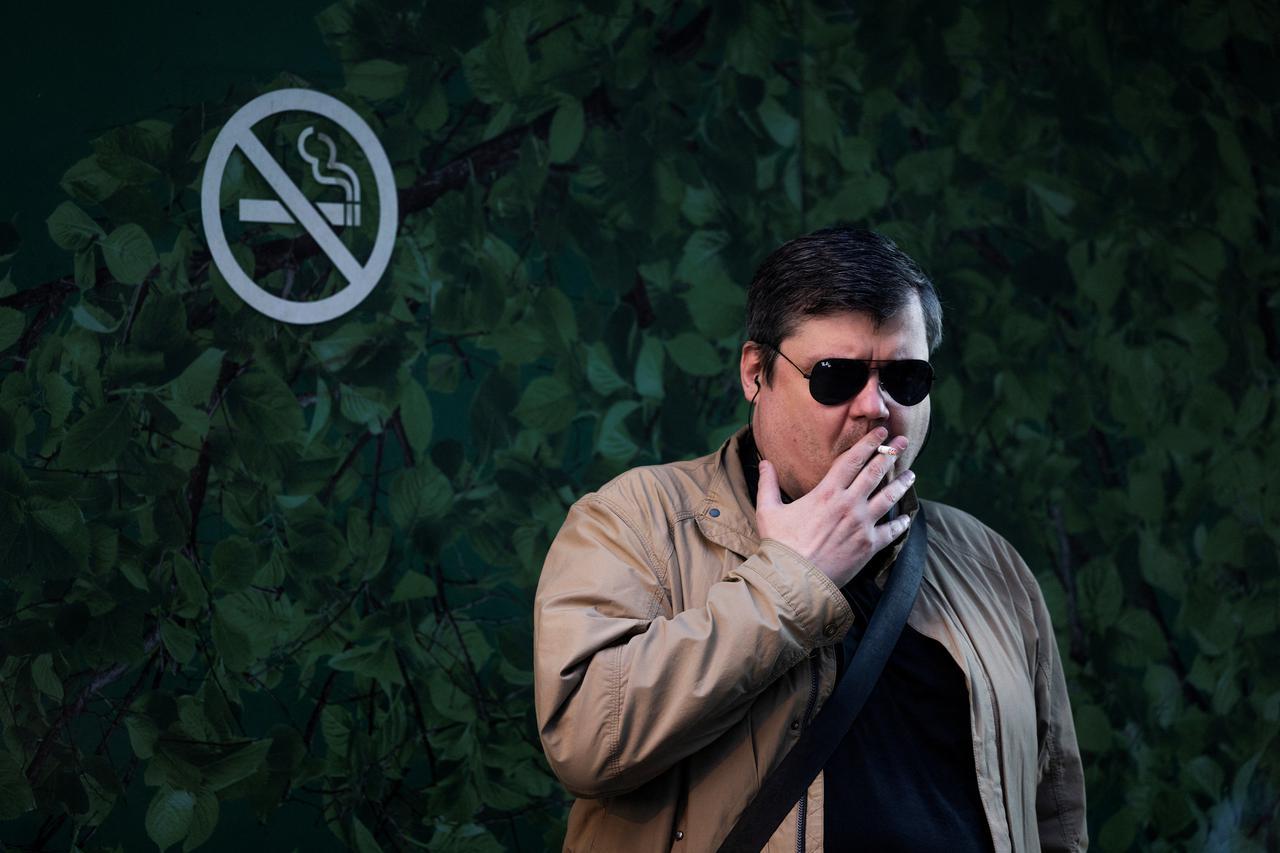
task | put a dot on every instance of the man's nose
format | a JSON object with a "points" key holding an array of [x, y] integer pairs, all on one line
{"points": [[871, 403]]}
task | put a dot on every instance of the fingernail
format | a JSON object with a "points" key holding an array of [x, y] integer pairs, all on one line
{"points": [[882, 432], [911, 477]]}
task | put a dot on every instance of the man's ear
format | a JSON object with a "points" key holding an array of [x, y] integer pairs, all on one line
{"points": [[751, 369]]}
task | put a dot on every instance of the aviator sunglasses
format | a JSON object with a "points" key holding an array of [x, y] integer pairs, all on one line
{"points": [[835, 380]]}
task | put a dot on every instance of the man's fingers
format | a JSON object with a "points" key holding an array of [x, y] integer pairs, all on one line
{"points": [[890, 530], [847, 465], [872, 474], [882, 500], [767, 494]]}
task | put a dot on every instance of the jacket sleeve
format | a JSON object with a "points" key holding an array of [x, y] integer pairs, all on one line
{"points": [[624, 688], [1060, 799]]}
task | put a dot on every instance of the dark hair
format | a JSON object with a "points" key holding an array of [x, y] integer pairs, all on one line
{"points": [[833, 271]]}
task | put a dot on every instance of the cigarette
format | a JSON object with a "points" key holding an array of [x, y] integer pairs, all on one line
{"points": [[887, 450]]}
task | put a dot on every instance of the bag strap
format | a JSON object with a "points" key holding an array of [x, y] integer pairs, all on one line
{"points": [[789, 782]]}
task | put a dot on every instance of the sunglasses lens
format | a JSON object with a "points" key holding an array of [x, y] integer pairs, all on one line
{"points": [[835, 380], [907, 382]]}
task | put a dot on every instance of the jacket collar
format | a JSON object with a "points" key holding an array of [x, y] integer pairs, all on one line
{"points": [[727, 514]]}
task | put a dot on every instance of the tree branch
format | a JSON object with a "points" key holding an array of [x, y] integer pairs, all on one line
{"points": [[70, 712], [199, 482]]}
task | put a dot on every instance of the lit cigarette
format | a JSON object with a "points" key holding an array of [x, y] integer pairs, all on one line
{"points": [[887, 450]]}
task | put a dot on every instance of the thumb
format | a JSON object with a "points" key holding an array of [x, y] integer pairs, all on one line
{"points": [[767, 494]]}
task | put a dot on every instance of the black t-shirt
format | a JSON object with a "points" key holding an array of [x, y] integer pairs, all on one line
{"points": [[903, 777]]}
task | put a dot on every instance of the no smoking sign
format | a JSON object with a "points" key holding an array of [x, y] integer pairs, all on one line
{"points": [[291, 204]]}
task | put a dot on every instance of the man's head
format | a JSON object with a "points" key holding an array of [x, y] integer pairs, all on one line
{"points": [[836, 293]]}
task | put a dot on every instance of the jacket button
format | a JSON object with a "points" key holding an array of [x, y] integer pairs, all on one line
{"points": [[795, 725], [830, 630], [715, 513], [679, 835]]}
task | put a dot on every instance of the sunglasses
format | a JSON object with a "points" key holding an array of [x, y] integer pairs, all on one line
{"points": [[836, 380]]}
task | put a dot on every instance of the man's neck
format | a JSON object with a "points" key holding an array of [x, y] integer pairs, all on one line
{"points": [[749, 455]]}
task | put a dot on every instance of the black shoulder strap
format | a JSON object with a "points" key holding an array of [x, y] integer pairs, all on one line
{"points": [[789, 782]]}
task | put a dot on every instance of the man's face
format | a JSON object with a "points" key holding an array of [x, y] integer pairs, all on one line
{"points": [[801, 436]]}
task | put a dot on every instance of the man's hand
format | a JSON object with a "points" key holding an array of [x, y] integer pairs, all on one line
{"points": [[834, 526]]}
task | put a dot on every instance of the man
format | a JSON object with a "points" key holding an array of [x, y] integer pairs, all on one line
{"points": [[692, 618]]}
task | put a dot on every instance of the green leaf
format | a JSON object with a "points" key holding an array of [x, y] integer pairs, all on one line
{"points": [[204, 819], [1119, 830], [859, 198], [515, 56], [435, 110], [419, 493], [694, 355], [614, 441], [701, 256], [180, 642], [547, 404], [12, 323], [1093, 729], [45, 679], [94, 319], [161, 324], [376, 79], [1057, 199], [195, 384], [86, 268], [600, 371], [1139, 639], [413, 585], [71, 228], [235, 562], [189, 582], [336, 350], [233, 645], [240, 762], [376, 661], [89, 182], [360, 408], [415, 416], [15, 792], [319, 418], [261, 404], [649, 369], [925, 173], [98, 437], [700, 206], [59, 395], [1203, 774], [1159, 566], [365, 842], [566, 132], [129, 254], [1102, 593], [169, 816], [556, 316], [143, 734], [780, 124]]}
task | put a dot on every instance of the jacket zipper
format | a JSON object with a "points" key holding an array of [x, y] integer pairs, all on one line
{"points": [[802, 806]]}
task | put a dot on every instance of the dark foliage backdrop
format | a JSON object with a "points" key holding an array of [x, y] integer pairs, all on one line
{"points": [[270, 585]]}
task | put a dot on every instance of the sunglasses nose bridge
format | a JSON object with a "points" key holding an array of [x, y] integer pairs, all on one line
{"points": [[875, 406]]}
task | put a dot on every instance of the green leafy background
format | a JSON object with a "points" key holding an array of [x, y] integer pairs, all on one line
{"points": [[271, 585]]}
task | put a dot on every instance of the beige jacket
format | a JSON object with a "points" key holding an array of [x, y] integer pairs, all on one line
{"points": [[674, 653]]}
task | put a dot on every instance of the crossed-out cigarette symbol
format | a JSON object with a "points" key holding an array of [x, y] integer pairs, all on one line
{"points": [[338, 213], [292, 205]]}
